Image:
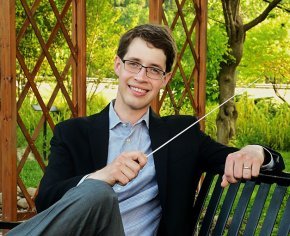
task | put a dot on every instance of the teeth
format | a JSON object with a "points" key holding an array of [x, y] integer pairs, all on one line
{"points": [[138, 90]]}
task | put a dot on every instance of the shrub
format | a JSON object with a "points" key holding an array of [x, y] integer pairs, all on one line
{"points": [[262, 121], [265, 122], [96, 103]]}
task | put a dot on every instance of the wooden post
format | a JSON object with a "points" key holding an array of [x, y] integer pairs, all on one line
{"points": [[8, 110], [201, 45], [155, 16], [79, 67], [155, 11]]}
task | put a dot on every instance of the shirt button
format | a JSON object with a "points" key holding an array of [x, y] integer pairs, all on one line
{"points": [[128, 140]]}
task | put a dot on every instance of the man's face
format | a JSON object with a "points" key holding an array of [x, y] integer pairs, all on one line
{"points": [[136, 91]]}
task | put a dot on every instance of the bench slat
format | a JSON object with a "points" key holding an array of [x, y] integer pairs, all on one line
{"points": [[211, 209], [226, 209], [284, 227], [202, 195], [273, 210], [257, 209], [241, 207]]}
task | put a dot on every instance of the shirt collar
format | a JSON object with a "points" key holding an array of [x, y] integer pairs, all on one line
{"points": [[114, 119]]}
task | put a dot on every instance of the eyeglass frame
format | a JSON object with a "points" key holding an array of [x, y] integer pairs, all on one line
{"points": [[142, 66]]}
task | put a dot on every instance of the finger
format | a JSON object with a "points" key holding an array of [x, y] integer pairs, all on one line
{"points": [[122, 179], [128, 172], [139, 157], [238, 166], [247, 171], [256, 169], [224, 182], [142, 159], [229, 169], [133, 165], [116, 174]]}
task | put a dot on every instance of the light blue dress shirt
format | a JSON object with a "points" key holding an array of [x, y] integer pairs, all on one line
{"points": [[139, 204]]}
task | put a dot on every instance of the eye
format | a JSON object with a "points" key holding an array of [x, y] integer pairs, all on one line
{"points": [[133, 64], [155, 71]]}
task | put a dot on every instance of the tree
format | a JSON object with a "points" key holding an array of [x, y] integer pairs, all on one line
{"points": [[236, 32]]}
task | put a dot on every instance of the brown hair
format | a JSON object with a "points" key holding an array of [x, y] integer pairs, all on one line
{"points": [[157, 35]]}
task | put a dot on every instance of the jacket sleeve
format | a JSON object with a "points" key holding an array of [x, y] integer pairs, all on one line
{"points": [[273, 161], [214, 155]]}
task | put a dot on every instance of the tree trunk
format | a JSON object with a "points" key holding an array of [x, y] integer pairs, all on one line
{"points": [[227, 116]]}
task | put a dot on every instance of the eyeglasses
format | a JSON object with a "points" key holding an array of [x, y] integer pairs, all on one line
{"points": [[151, 72]]}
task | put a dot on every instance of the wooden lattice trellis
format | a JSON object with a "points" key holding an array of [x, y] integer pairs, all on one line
{"points": [[74, 71], [194, 80]]}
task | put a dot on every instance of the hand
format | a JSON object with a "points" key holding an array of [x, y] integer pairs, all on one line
{"points": [[122, 170], [244, 163]]}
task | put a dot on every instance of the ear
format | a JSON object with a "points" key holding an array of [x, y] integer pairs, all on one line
{"points": [[117, 65], [166, 79]]}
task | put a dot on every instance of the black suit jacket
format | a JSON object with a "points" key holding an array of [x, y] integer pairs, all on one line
{"points": [[80, 146]]}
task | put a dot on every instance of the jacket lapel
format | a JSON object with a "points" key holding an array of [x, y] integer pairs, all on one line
{"points": [[99, 138], [159, 134]]}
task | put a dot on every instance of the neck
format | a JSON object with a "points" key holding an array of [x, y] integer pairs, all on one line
{"points": [[129, 115]]}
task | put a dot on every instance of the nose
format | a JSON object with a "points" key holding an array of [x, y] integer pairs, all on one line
{"points": [[141, 75]]}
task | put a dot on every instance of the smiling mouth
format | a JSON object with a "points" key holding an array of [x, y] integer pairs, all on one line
{"points": [[138, 90]]}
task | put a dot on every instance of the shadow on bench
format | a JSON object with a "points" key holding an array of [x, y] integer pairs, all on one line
{"points": [[260, 206]]}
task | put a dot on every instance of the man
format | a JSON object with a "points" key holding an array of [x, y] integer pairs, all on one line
{"points": [[102, 179]]}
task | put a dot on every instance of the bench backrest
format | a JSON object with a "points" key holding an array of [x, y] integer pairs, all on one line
{"points": [[260, 206]]}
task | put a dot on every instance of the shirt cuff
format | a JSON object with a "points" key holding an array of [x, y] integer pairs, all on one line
{"points": [[270, 164]]}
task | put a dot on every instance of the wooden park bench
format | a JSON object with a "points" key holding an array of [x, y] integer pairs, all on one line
{"points": [[260, 206]]}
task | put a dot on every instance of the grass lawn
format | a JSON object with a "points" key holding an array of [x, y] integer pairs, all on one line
{"points": [[31, 174], [286, 158]]}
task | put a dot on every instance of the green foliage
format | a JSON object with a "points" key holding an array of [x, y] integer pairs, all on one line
{"points": [[265, 123], [210, 120], [31, 119], [168, 109], [217, 48], [134, 13], [96, 104], [103, 34], [266, 51]]}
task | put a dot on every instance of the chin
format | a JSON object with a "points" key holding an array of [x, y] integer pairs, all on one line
{"points": [[138, 106], [135, 105]]}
